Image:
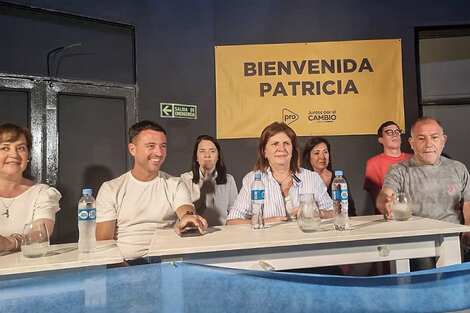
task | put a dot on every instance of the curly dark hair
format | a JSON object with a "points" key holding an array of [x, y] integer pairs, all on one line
{"points": [[309, 147]]}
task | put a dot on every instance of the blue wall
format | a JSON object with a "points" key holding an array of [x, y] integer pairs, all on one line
{"points": [[175, 42]]}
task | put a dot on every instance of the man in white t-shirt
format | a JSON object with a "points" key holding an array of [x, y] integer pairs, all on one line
{"points": [[131, 207]]}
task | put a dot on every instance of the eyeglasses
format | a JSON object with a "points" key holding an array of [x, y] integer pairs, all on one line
{"points": [[391, 132]]}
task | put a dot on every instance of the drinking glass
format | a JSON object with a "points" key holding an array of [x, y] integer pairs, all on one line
{"points": [[401, 207], [35, 241], [308, 215]]}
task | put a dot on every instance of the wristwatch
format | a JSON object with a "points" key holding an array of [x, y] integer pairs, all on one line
{"points": [[188, 213]]}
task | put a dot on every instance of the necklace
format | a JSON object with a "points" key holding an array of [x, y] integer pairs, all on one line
{"points": [[7, 207], [282, 181]]}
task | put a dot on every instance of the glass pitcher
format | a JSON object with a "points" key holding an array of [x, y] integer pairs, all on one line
{"points": [[308, 215]]}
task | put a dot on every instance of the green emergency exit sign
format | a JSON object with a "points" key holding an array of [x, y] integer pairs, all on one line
{"points": [[173, 110]]}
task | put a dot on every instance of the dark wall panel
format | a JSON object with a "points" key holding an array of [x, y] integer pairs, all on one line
{"points": [[175, 58], [106, 52], [92, 150], [176, 64], [14, 106], [454, 120], [444, 65]]}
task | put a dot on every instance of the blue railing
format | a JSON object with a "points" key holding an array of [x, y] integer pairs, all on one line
{"points": [[196, 288]]}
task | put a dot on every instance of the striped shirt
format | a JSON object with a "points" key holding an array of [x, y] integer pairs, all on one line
{"points": [[304, 181]]}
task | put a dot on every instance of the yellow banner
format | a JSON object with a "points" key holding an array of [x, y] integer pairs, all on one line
{"points": [[320, 88]]}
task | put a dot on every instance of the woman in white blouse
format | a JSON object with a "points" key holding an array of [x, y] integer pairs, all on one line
{"points": [[278, 162], [213, 191], [21, 199]]}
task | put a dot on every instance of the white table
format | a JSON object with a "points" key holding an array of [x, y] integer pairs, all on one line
{"points": [[60, 258], [285, 246]]}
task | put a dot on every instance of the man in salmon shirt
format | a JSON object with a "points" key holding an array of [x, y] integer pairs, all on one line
{"points": [[389, 135]]}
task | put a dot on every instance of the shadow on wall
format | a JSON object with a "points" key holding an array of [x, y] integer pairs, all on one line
{"points": [[369, 206], [94, 176], [66, 228]]}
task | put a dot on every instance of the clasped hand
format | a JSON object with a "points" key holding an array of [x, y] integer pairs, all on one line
{"points": [[189, 220]]}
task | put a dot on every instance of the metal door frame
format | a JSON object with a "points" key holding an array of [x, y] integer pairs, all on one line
{"points": [[43, 94]]}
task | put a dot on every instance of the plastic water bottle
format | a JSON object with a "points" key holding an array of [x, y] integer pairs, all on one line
{"points": [[86, 222], [339, 190], [257, 202]]}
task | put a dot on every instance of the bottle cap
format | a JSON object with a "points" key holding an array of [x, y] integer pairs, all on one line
{"points": [[86, 191], [338, 173], [257, 176]]}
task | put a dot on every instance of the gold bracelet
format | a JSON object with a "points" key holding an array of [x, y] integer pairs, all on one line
{"points": [[17, 241]]}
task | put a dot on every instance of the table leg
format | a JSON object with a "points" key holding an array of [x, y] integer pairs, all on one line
{"points": [[448, 251], [400, 266]]}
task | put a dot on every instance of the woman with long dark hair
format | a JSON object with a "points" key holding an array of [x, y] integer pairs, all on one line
{"points": [[213, 191]]}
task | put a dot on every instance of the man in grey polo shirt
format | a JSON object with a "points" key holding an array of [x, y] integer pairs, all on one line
{"points": [[439, 186]]}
